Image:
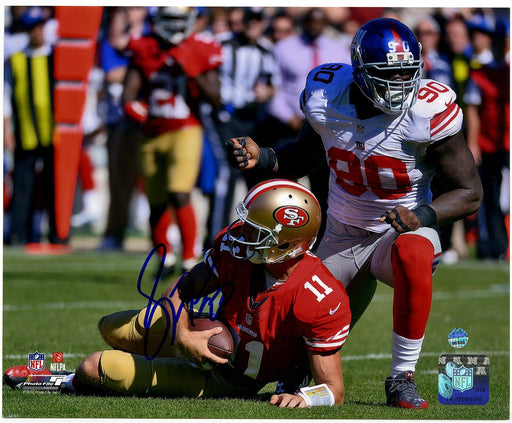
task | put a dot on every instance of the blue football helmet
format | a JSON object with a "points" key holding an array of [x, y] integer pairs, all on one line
{"points": [[381, 49]]}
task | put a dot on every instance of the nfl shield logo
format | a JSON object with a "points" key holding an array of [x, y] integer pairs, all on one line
{"points": [[36, 361], [462, 378]]}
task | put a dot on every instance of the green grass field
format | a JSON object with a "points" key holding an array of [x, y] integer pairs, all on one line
{"points": [[53, 303]]}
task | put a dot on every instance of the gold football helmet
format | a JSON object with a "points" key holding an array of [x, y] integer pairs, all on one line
{"points": [[174, 24], [280, 219]]}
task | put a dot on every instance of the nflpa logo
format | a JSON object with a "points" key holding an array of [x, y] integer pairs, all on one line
{"points": [[57, 364], [58, 357]]}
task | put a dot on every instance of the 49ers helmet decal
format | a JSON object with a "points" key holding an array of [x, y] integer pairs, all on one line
{"points": [[280, 220]]}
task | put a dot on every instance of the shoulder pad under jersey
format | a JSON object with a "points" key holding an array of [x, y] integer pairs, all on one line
{"points": [[326, 82], [436, 110]]}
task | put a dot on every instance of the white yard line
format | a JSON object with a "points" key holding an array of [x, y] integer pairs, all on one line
{"points": [[496, 291], [25, 356], [344, 357], [423, 354], [76, 305]]}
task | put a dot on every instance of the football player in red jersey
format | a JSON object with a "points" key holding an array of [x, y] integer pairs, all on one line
{"points": [[287, 314], [171, 71], [384, 132]]}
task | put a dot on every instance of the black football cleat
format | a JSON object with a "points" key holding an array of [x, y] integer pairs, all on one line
{"points": [[401, 391]]}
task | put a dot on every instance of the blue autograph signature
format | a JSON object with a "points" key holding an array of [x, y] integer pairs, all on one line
{"points": [[206, 305]]}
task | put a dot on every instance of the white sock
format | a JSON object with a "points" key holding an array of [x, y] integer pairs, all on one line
{"points": [[91, 203], [170, 259], [405, 352], [189, 263]]}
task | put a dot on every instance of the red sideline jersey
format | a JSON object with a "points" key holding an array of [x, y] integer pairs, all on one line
{"points": [[169, 88], [494, 85], [276, 326]]}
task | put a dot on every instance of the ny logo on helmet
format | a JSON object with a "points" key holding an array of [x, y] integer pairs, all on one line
{"points": [[291, 217]]}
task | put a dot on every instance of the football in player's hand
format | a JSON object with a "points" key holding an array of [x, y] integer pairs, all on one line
{"points": [[220, 344]]}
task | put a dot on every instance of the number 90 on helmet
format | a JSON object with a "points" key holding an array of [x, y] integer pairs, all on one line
{"points": [[387, 64], [280, 220]]}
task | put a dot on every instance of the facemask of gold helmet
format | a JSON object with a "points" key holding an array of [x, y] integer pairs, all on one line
{"points": [[280, 220], [174, 24]]}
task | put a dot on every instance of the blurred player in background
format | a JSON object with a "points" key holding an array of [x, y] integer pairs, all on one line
{"points": [[171, 71], [384, 132], [269, 281], [487, 99], [123, 135]]}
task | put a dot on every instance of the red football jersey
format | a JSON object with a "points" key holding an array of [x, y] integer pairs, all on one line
{"points": [[169, 89], [277, 325], [494, 110]]}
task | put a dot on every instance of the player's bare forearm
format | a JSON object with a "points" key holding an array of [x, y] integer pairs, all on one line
{"points": [[455, 165], [326, 368]]}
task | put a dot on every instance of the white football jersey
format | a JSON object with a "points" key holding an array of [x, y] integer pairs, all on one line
{"points": [[379, 162]]}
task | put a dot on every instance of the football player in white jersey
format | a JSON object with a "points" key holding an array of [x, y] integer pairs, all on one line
{"points": [[385, 132]]}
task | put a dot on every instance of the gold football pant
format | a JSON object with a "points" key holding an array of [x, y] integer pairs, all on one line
{"points": [[131, 374], [171, 162], [124, 330]]}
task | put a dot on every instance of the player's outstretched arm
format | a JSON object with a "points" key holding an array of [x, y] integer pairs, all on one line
{"points": [[293, 160], [326, 369]]}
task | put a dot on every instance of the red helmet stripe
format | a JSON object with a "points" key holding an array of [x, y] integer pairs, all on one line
{"points": [[398, 41], [271, 184]]}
